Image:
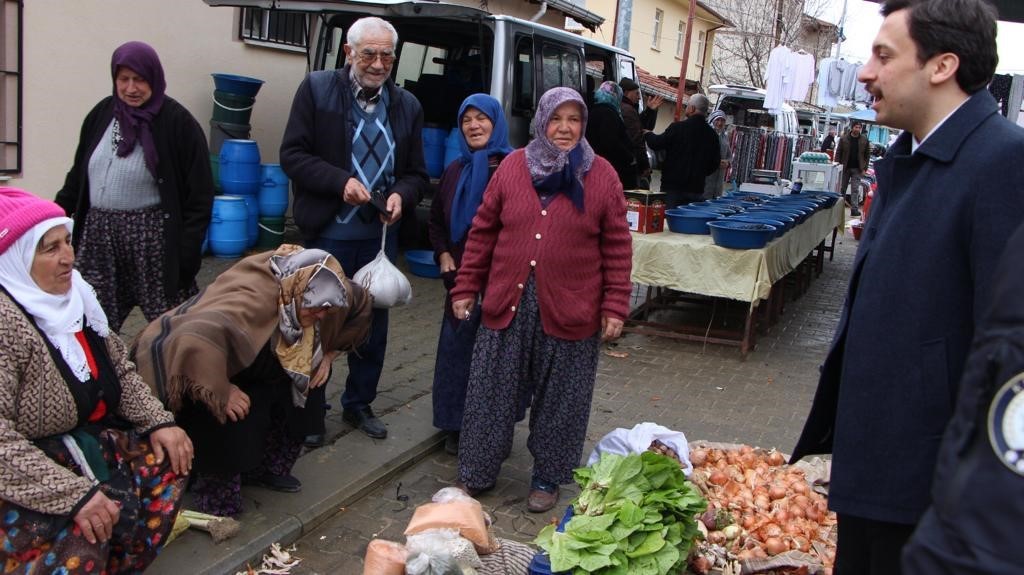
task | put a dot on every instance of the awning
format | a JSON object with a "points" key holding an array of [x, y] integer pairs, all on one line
{"points": [[577, 13]]}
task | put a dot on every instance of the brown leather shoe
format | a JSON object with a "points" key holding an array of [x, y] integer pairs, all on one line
{"points": [[540, 501]]}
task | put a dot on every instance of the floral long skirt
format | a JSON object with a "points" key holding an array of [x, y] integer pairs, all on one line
{"points": [[148, 495]]}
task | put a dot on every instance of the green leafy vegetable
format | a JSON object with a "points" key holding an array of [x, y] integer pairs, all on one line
{"points": [[635, 515]]}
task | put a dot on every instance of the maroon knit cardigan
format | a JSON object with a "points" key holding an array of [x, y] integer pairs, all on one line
{"points": [[581, 261]]}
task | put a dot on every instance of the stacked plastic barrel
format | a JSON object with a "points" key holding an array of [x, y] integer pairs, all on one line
{"points": [[252, 197]]}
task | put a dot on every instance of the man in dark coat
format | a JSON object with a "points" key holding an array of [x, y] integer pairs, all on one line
{"points": [[691, 154], [353, 148], [950, 192], [973, 525], [636, 122], [853, 153]]}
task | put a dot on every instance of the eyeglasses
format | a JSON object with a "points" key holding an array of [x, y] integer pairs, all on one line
{"points": [[368, 57]]}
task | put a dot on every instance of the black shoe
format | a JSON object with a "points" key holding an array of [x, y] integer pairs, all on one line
{"points": [[282, 483], [365, 420], [451, 443], [314, 440], [854, 211]]}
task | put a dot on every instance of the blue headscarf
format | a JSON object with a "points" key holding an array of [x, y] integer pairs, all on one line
{"points": [[469, 191]]}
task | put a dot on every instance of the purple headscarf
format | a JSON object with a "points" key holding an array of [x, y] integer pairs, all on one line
{"points": [[546, 161], [135, 122]]}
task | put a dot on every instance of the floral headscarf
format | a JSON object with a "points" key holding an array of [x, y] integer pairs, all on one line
{"points": [[552, 168], [609, 94]]}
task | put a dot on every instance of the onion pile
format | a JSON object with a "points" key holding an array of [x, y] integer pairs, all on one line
{"points": [[759, 507]]}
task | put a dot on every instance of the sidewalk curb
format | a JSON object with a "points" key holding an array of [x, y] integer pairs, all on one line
{"points": [[333, 477]]}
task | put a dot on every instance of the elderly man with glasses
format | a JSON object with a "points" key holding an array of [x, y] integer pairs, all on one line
{"points": [[353, 150]]}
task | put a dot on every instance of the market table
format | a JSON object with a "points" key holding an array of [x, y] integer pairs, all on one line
{"points": [[693, 264]]}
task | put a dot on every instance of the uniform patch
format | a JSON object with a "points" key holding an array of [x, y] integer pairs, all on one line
{"points": [[1006, 424]]}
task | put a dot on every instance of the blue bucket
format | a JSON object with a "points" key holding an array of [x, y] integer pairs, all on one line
{"points": [[273, 194], [433, 150], [235, 84], [252, 223], [452, 147], [240, 167], [227, 232]]}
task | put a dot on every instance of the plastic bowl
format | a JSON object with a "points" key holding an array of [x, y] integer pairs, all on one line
{"points": [[421, 263], [240, 85], [780, 226], [741, 235], [689, 221]]}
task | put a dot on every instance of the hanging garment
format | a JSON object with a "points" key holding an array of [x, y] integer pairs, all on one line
{"points": [[779, 78]]}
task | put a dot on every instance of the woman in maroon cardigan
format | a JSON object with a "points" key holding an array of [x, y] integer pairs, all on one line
{"points": [[484, 143], [550, 254]]}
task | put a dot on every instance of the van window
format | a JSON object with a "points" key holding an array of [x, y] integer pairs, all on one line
{"points": [[522, 81], [560, 67]]}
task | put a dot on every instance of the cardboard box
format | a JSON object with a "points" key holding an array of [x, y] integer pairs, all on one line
{"points": [[645, 211]]}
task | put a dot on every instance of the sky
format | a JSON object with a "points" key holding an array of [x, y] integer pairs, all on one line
{"points": [[863, 21]]}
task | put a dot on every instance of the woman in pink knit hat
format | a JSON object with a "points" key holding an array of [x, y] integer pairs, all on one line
{"points": [[91, 464]]}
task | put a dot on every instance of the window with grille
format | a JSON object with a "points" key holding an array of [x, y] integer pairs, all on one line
{"points": [[10, 87], [659, 17], [276, 28]]}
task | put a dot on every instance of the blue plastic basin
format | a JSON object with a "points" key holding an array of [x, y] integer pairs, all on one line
{"points": [[689, 221], [235, 84], [421, 263], [741, 235]]}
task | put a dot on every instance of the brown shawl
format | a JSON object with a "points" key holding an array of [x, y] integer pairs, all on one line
{"points": [[193, 350]]}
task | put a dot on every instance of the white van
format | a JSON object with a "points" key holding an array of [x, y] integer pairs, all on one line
{"points": [[448, 51], [745, 106]]}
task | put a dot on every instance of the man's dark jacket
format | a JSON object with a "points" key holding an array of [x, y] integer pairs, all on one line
{"points": [[921, 279], [846, 144], [691, 154], [974, 523], [316, 149], [183, 177]]}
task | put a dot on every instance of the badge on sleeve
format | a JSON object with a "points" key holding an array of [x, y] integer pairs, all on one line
{"points": [[1006, 424]]}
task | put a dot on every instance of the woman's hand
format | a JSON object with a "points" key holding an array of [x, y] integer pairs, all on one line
{"points": [[323, 371], [238, 403], [462, 308], [446, 262], [175, 444], [97, 517], [611, 328]]}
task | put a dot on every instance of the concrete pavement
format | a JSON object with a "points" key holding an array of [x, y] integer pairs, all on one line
{"points": [[356, 488]]}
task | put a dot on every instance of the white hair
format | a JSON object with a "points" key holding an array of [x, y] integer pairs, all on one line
{"points": [[369, 24]]}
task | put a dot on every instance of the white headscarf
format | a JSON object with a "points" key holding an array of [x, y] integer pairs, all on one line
{"points": [[58, 316]]}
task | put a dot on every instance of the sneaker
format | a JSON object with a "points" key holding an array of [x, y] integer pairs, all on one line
{"points": [[543, 496], [854, 211], [314, 440], [364, 420]]}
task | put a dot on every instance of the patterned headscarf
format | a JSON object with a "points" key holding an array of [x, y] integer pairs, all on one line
{"points": [[309, 278], [714, 116], [551, 168], [134, 122], [609, 94], [469, 190]]}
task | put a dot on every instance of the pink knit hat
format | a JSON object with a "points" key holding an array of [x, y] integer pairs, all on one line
{"points": [[20, 211]]}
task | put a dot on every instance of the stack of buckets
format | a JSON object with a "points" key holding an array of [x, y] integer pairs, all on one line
{"points": [[250, 213], [441, 147]]}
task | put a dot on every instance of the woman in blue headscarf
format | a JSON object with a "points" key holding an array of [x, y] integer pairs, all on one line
{"points": [[606, 133], [484, 144]]}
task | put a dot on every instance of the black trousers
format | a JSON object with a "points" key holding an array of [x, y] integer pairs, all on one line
{"points": [[869, 547]]}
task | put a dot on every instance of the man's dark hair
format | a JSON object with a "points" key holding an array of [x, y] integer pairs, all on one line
{"points": [[966, 28], [855, 124]]}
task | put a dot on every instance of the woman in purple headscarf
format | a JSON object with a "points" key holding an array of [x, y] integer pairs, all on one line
{"points": [[550, 254], [140, 192]]}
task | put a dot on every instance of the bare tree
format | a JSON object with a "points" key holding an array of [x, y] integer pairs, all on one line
{"points": [[741, 52]]}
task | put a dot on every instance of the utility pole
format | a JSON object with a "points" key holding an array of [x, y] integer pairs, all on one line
{"points": [[686, 61]]}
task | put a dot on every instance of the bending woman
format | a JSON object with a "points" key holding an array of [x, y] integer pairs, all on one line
{"points": [[91, 465], [484, 144], [236, 363], [550, 252]]}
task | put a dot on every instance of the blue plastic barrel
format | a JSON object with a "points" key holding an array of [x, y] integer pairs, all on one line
{"points": [[227, 232], [452, 148], [240, 167], [433, 150], [273, 194], [252, 222]]}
